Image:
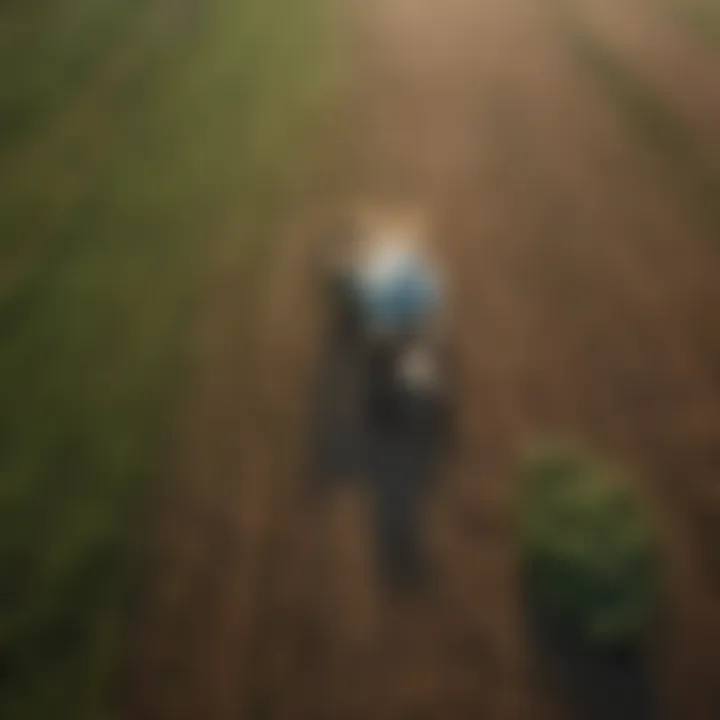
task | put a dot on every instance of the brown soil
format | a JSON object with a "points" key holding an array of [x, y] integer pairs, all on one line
{"points": [[685, 73], [584, 300]]}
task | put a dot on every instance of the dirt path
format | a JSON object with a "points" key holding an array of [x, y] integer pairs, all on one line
{"points": [[579, 277]]}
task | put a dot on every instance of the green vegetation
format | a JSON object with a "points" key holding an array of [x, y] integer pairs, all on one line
{"points": [[57, 48], [587, 551], [654, 120], [702, 17], [133, 134]]}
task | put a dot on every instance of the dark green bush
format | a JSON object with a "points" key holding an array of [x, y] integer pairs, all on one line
{"points": [[588, 556]]}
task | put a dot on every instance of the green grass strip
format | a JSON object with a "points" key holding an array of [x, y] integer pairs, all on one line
{"points": [[654, 121]]}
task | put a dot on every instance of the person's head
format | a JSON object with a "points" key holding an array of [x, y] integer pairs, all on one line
{"points": [[381, 225]]}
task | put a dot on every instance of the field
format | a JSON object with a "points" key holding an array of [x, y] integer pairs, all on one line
{"points": [[142, 143], [166, 168]]}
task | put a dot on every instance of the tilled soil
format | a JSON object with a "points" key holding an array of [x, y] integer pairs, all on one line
{"points": [[585, 297]]}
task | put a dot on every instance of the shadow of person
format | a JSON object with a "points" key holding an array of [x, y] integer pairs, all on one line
{"points": [[395, 456], [610, 685]]}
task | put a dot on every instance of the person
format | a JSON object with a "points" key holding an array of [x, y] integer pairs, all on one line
{"points": [[399, 298]]}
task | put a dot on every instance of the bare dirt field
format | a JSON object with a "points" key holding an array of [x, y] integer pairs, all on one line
{"points": [[584, 258]]}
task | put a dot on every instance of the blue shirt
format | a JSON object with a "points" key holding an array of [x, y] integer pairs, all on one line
{"points": [[399, 292]]}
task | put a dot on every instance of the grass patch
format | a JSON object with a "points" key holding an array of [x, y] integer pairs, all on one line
{"points": [[658, 125], [701, 17], [93, 332], [49, 51]]}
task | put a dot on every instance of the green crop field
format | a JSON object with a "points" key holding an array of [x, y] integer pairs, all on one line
{"points": [[132, 132]]}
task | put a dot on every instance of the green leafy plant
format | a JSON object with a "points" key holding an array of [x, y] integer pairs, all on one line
{"points": [[588, 554]]}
